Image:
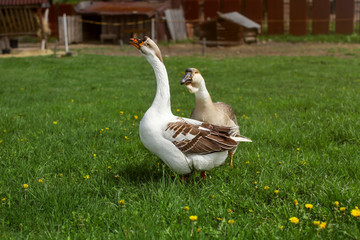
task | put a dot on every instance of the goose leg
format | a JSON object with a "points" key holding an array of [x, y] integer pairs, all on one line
{"points": [[203, 174], [231, 154]]}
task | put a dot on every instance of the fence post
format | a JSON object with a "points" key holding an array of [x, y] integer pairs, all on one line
{"points": [[65, 34]]}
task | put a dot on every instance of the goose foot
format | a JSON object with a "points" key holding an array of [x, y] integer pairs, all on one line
{"points": [[203, 174]]}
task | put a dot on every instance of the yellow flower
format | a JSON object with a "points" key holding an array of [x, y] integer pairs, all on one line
{"points": [[294, 220], [298, 149], [281, 227], [87, 177], [107, 128], [55, 122], [279, 163], [355, 212], [186, 208], [109, 167], [342, 209], [229, 210], [3, 199], [250, 210], [266, 187], [178, 110], [309, 206], [296, 202], [21, 140], [275, 114], [231, 221], [247, 162], [276, 191], [127, 138], [136, 116], [41, 180], [5, 130], [255, 182], [1, 141], [25, 185], [94, 154], [219, 219], [336, 203], [193, 218], [316, 223], [121, 202], [212, 196], [198, 230], [60, 175], [121, 112], [323, 225]]}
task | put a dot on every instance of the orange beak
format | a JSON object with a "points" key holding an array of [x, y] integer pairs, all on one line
{"points": [[136, 42]]}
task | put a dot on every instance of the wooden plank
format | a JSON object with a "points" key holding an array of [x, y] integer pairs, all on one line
{"points": [[176, 23], [344, 23], [231, 6], [192, 9], [254, 10], [23, 20], [321, 16], [275, 16], [211, 7], [298, 17], [3, 21]]}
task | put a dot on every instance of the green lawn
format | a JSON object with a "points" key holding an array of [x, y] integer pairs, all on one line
{"points": [[69, 130]]}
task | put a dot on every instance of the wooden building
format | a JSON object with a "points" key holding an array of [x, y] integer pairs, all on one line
{"points": [[22, 18]]}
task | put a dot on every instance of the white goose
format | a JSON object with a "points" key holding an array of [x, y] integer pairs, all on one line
{"points": [[184, 145], [205, 109]]}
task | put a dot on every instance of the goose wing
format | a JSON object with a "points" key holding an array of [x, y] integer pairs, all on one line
{"points": [[191, 136]]}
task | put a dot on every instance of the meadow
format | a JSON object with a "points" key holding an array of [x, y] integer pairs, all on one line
{"points": [[73, 166]]}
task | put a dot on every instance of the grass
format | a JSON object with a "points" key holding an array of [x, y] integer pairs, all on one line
{"points": [[72, 123], [329, 38]]}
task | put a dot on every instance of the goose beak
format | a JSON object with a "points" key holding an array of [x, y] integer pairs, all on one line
{"points": [[187, 79], [136, 42]]}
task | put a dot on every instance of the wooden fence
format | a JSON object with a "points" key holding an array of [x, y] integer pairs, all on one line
{"points": [[297, 17], [74, 29]]}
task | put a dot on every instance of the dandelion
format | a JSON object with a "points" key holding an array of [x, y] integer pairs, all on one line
{"points": [[250, 210], [316, 223], [107, 128], [258, 155], [266, 187], [3, 199], [355, 212], [1, 141], [187, 208], [281, 227], [21, 140], [60, 175], [127, 138], [276, 115], [296, 202], [229, 210], [116, 176], [276, 191], [55, 122], [279, 163], [198, 230], [193, 218], [303, 162], [231, 221], [322, 225], [41, 180], [94, 155], [212, 196], [309, 206], [255, 182], [342, 209], [178, 110], [297, 149], [121, 202], [294, 220], [270, 98], [87, 177], [25, 185], [336, 203], [247, 162], [121, 112], [219, 219], [136, 117], [5, 130], [257, 172]]}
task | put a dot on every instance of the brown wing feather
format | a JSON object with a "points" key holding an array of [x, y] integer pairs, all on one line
{"points": [[203, 141]]}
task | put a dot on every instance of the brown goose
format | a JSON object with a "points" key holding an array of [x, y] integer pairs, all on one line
{"points": [[205, 109]]}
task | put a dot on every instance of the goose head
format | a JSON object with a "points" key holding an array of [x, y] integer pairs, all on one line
{"points": [[147, 47], [193, 80]]}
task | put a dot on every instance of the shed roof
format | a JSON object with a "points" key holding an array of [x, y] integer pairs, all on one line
{"points": [[121, 8], [239, 19], [24, 2]]}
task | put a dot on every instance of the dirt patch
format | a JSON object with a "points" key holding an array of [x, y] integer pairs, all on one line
{"points": [[260, 49]]}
